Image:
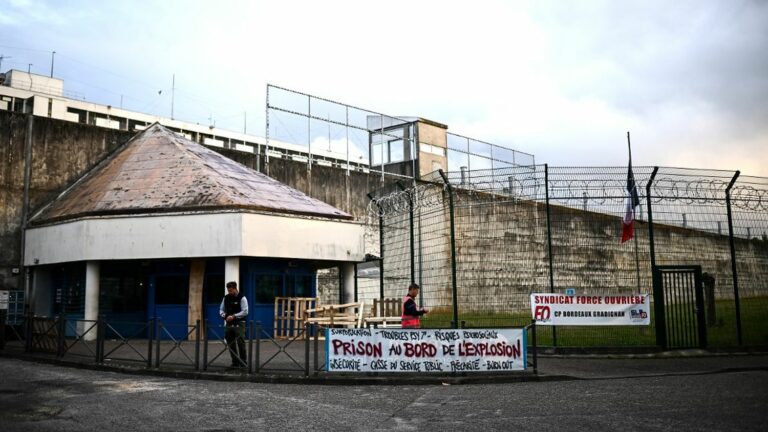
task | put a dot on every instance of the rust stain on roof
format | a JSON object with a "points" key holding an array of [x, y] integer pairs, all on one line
{"points": [[160, 171]]}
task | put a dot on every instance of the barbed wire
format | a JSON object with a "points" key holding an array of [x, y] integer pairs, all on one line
{"points": [[600, 191], [422, 196]]}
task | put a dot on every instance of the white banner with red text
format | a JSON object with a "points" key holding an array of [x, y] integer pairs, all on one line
{"points": [[421, 350], [591, 310]]}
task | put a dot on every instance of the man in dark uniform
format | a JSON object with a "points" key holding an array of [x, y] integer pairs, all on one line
{"points": [[411, 315], [234, 310]]}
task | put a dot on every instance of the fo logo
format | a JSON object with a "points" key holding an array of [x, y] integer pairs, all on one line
{"points": [[542, 313]]}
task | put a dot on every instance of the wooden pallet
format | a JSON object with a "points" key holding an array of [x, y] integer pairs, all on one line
{"points": [[387, 313], [337, 315], [289, 315]]}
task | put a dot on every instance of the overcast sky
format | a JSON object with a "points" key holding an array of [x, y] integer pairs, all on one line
{"points": [[562, 80]]}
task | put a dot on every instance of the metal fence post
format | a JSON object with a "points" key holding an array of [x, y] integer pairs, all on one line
{"points": [[549, 246], [205, 346], [316, 334], [733, 257], [150, 338], [100, 339], [257, 362], [412, 237], [535, 347], [306, 349], [381, 245], [454, 287], [658, 295], [28, 333], [250, 346], [197, 345], [61, 328], [157, 341]]}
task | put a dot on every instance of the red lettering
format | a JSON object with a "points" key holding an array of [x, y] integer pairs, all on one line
{"points": [[336, 345], [542, 313], [422, 349]]}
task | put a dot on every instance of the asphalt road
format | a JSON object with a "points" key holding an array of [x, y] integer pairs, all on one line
{"points": [[43, 397]]}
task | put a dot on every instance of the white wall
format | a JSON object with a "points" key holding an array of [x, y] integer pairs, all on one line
{"points": [[307, 238], [195, 235]]}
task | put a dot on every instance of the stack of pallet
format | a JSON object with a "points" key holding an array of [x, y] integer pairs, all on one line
{"points": [[289, 315], [337, 315], [387, 313]]}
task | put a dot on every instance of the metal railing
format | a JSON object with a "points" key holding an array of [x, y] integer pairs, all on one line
{"points": [[201, 347]]}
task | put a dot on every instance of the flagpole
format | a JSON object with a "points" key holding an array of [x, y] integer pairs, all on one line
{"points": [[637, 254]]}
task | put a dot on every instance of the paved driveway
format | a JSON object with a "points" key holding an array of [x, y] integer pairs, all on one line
{"points": [[43, 397]]}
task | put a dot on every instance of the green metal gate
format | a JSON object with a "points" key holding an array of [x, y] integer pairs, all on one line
{"points": [[679, 307]]}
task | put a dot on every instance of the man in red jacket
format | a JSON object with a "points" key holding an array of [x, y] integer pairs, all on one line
{"points": [[411, 316]]}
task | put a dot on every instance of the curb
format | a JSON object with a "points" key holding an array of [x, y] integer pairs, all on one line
{"points": [[481, 378], [515, 377]]}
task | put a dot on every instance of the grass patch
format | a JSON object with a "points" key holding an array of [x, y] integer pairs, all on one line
{"points": [[723, 334]]}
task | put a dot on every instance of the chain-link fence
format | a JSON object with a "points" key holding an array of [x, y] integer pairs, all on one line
{"points": [[480, 242]]}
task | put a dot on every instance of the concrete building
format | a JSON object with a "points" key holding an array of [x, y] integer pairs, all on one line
{"points": [[44, 96], [157, 228]]}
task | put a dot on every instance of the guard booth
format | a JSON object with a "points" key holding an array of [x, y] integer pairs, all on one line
{"points": [[136, 230], [679, 307]]}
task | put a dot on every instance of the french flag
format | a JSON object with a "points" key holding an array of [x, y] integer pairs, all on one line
{"points": [[628, 223]]}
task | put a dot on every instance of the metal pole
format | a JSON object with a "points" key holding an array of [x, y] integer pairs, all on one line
{"points": [[658, 295], [266, 139], [535, 348], [157, 340], [454, 287], [316, 332], [257, 362], [173, 93], [62, 328], [99, 339], [355, 266], [650, 217], [205, 347], [381, 247], [549, 246], [412, 237], [346, 131], [197, 344], [381, 252], [53, 53], [733, 256], [250, 346], [637, 262], [306, 349], [150, 331]]}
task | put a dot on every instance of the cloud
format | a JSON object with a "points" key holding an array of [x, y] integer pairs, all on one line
{"points": [[563, 81]]}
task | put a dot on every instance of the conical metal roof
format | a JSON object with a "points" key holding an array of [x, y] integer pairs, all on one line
{"points": [[160, 171]]}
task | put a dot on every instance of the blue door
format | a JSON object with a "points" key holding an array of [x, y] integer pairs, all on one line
{"points": [[168, 298], [261, 281]]}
